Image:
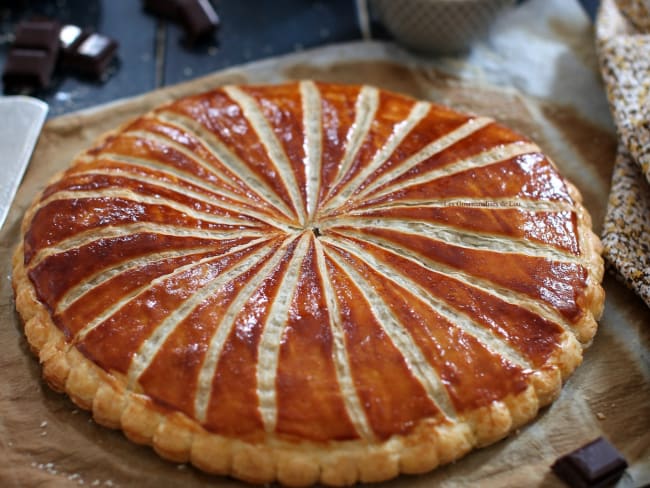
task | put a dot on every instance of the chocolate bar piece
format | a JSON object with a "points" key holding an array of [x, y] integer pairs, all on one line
{"points": [[28, 69], [87, 53], [168, 9], [198, 17], [70, 37], [38, 34], [32, 57], [597, 464]]}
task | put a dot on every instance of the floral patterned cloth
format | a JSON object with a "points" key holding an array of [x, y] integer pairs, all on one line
{"points": [[623, 38]]}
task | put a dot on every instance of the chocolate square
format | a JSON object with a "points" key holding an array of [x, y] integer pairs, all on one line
{"points": [[71, 36], [38, 34], [28, 69], [597, 464], [198, 17], [90, 54]]}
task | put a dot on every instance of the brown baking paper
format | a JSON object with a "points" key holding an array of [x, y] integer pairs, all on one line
{"points": [[47, 441]]}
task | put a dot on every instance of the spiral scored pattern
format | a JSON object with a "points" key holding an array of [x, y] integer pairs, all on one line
{"points": [[309, 266]]}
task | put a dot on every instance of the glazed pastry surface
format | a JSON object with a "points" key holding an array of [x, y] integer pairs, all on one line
{"points": [[306, 273]]}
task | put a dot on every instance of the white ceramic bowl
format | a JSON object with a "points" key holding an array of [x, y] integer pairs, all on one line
{"points": [[438, 26]]}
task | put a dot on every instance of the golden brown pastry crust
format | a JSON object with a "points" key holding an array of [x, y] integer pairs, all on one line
{"points": [[275, 456]]}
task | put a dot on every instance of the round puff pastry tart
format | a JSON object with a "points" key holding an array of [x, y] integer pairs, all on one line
{"points": [[309, 282]]}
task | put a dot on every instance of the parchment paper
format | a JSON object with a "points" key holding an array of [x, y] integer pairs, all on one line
{"points": [[46, 441]]}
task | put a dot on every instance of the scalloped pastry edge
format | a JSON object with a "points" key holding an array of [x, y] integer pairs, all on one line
{"points": [[178, 438]]}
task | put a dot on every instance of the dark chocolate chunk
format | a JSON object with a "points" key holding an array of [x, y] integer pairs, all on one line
{"points": [[168, 9], [198, 17], [89, 53], [28, 69], [38, 34], [597, 464], [71, 36]]}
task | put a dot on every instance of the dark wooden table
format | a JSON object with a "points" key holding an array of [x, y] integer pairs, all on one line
{"points": [[152, 52]]}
